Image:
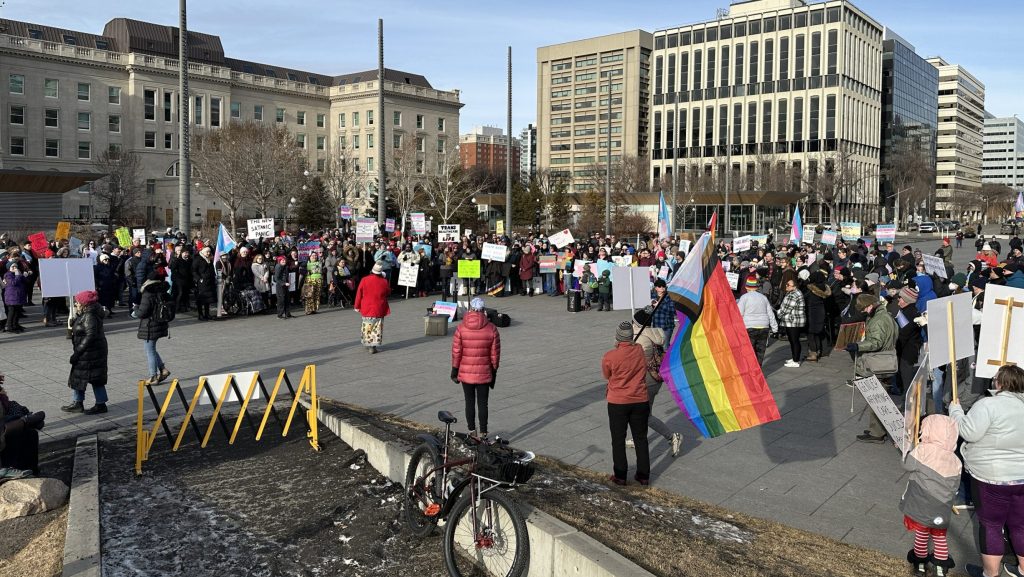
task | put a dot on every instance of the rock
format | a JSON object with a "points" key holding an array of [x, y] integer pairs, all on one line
{"points": [[23, 497]]}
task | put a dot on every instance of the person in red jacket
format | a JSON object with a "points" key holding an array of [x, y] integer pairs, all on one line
{"points": [[626, 369], [372, 304], [476, 353]]}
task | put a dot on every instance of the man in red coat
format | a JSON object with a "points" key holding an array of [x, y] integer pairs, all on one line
{"points": [[476, 353], [372, 304], [625, 368]]}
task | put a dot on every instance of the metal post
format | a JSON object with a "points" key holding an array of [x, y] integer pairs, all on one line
{"points": [[728, 172], [508, 151], [381, 148], [608, 166], [675, 156], [184, 164]]}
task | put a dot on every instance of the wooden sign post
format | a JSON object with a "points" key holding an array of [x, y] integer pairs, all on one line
{"points": [[1009, 303]]}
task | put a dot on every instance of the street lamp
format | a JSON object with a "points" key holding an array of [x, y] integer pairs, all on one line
{"points": [[287, 209]]}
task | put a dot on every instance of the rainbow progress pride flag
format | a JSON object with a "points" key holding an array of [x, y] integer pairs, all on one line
{"points": [[710, 367]]}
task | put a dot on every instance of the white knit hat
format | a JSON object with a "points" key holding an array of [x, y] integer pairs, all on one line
{"points": [[378, 268]]}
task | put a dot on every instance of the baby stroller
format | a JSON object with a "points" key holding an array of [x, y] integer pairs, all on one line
{"points": [[340, 291], [251, 301]]}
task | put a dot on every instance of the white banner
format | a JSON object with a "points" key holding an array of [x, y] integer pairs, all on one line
{"points": [[940, 324], [494, 252], [631, 288], [65, 277], [996, 329], [808, 233], [448, 233], [741, 243], [886, 411], [407, 276], [260, 228], [562, 238]]}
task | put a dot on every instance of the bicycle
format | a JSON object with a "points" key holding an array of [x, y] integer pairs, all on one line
{"points": [[485, 532]]}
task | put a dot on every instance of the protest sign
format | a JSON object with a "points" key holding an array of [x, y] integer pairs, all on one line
{"points": [[579, 265], [345, 212], [389, 225], [886, 411], [934, 265], [419, 222], [562, 238], [75, 244], [734, 279], [1002, 327], [407, 275], [603, 265], [849, 333], [622, 260], [292, 282], [631, 288], [741, 243], [448, 233], [259, 228], [547, 263], [124, 237], [850, 230], [63, 230], [913, 405], [945, 315], [469, 269], [493, 251], [217, 382], [760, 239], [885, 233], [663, 272], [868, 241], [446, 308], [65, 277], [684, 245], [39, 244], [307, 248], [828, 237], [808, 233], [428, 249], [364, 229], [499, 228], [469, 232], [139, 234]]}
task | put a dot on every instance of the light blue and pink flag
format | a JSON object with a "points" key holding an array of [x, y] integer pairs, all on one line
{"points": [[797, 227], [664, 230], [1018, 207], [224, 243]]}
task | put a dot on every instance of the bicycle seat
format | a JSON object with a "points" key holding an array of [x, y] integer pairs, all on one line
{"points": [[446, 417]]}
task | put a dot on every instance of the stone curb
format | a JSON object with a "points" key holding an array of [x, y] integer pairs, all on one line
{"points": [[82, 540], [556, 548]]}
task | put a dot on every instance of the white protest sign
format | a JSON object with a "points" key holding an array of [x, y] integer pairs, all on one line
{"points": [[216, 382], [493, 251], [446, 308], [886, 411], [684, 245], [448, 233], [65, 277], [365, 229], [622, 260], [419, 222], [469, 232], [741, 243], [934, 265], [631, 288], [733, 278], [259, 228], [139, 234], [292, 282], [407, 276], [998, 343], [828, 237], [562, 238], [940, 324], [808, 233]]}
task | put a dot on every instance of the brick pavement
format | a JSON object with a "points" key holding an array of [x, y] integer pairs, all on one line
{"points": [[806, 470]]}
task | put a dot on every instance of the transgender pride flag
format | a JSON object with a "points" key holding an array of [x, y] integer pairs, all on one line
{"points": [[1018, 207], [797, 227], [664, 230]]}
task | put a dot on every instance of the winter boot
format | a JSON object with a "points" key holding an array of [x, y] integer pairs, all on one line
{"points": [[942, 566], [919, 564], [812, 357], [74, 407]]}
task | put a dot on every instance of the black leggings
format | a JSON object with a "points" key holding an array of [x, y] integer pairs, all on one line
{"points": [[476, 396], [793, 334]]}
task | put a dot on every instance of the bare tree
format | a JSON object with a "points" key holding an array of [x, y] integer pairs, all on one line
{"points": [[217, 157], [832, 179], [342, 178], [553, 188], [996, 201], [906, 169], [406, 178], [274, 162], [119, 191], [450, 187]]}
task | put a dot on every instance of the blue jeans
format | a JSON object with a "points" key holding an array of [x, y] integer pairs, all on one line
{"points": [[155, 362], [668, 336], [938, 389], [550, 283], [100, 392]]}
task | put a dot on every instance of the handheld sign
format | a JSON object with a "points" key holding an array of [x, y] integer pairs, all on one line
{"points": [[886, 411], [469, 269], [499, 228], [733, 278], [139, 234], [808, 233], [885, 233], [419, 222], [65, 277], [631, 288], [950, 323], [448, 233], [389, 225], [494, 252], [850, 230], [1002, 328], [259, 228], [364, 229], [63, 230], [407, 276], [828, 237], [124, 237], [934, 265], [345, 212], [39, 244], [446, 308], [561, 238], [741, 243], [547, 263]]}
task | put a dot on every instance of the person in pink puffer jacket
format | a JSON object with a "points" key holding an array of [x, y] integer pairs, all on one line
{"points": [[476, 353]]}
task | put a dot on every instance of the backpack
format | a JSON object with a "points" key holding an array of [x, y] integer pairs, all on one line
{"points": [[164, 311]]}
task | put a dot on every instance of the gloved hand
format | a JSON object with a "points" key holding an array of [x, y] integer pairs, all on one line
{"points": [[853, 347], [73, 359], [921, 320], [455, 374]]}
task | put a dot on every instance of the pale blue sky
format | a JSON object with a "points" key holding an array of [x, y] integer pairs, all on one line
{"points": [[462, 44]]}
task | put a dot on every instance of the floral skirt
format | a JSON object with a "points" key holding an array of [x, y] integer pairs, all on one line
{"points": [[372, 331], [314, 288]]}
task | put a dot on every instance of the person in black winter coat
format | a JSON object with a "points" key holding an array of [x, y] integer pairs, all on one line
{"points": [[89, 359], [909, 339], [181, 276], [281, 282], [818, 294], [205, 281], [154, 291], [106, 283]]}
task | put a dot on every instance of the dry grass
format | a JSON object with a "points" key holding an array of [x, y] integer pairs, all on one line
{"points": [[33, 546]]}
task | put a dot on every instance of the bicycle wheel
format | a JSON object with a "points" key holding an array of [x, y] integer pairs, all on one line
{"points": [[421, 490], [498, 546]]}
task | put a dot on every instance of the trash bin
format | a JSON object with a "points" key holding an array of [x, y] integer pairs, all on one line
{"points": [[574, 300]]}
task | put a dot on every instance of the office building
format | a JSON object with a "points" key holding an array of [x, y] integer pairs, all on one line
{"points": [[910, 100], [1003, 152], [573, 83], [68, 96], [961, 121], [486, 148], [778, 101], [527, 153]]}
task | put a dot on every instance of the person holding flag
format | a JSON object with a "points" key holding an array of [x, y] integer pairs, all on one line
{"points": [[796, 230], [224, 245], [664, 230]]}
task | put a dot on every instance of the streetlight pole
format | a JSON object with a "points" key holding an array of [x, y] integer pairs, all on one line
{"points": [[508, 150], [381, 149], [184, 166], [608, 165]]}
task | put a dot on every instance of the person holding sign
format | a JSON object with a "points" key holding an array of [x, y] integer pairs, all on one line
{"points": [[372, 303], [993, 431], [476, 354], [879, 341]]}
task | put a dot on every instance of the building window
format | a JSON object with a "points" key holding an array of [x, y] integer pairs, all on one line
{"points": [[419, 121], [440, 124], [816, 54], [279, 116], [769, 60], [300, 118], [83, 91], [369, 140], [149, 104], [236, 110], [781, 131], [341, 120], [815, 112], [396, 118], [168, 106], [355, 119], [321, 164], [440, 145], [198, 112], [84, 121], [257, 112], [709, 78], [833, 50], [151, 186], [35, 34], [799, 72], [114, 149], [84, 150], [397, 140], [752, 77], [17, 146], [751, 123], [830, 116], [51, 87], [420, 144], [355, 141], [52, 149], [16, 84], [798, 119], [321, 120], [150, 140], [113, 95], [419, 167], [167, 140], [321, 142], [215, 112], [342, 141], [51, 118], [369, 118], [17, 115], [784, 58], [300, 140], [70, 40], [369, 164]]}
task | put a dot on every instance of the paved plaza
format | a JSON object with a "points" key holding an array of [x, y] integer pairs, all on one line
{"points": [[806, 470]]}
